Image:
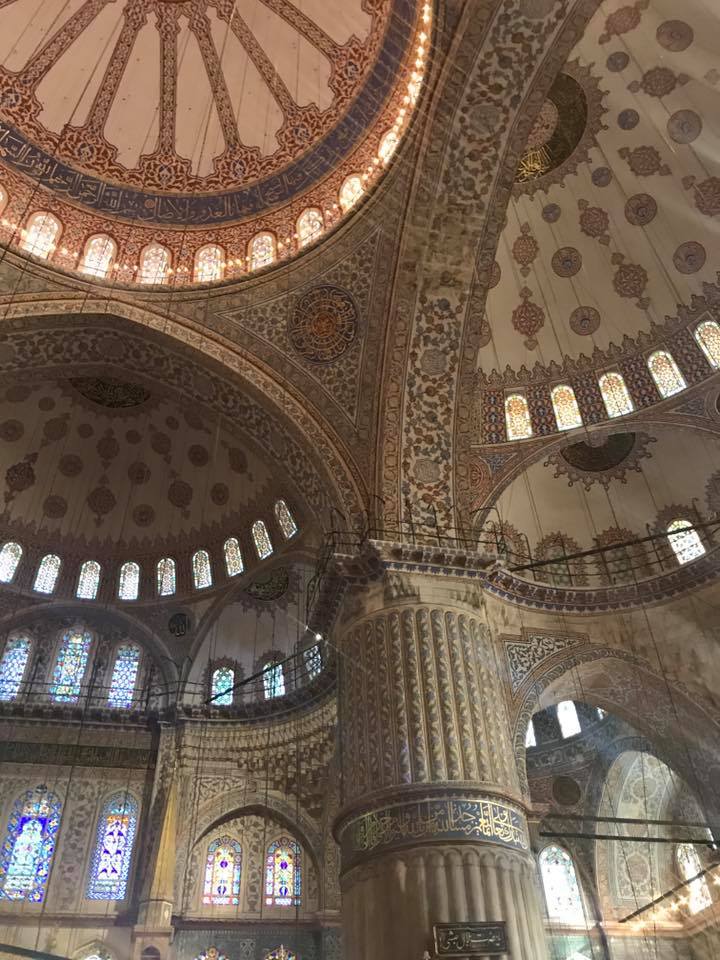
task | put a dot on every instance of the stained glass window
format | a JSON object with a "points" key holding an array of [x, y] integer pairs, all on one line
{"points": [[113, 849], [568, 718], [310, 225], [685, 541], [41, 235], [202, 572], [615, 395], [560, 885], [47, 574], [70, 666], [88, 581], [262, 250], [223, 680], [350, 192], [129, 581], [222, 872], [283, 880], [10, 556], [124, 676], [285, 519], [261, 537], [154, 264], [13, 665], [666, 373], [690, 865], [273, 681], [707, 335], [209, 264], [280, 953], [567, 412], [166, 577], [530, 740], [27, 852], [388, 145], [233, 557], [99, 255], [517, 417], [313, 660]]}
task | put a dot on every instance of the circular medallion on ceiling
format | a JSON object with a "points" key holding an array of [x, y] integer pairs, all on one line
{"points": [[566, 791], [606, 455], [323, 324], [110, 392]]}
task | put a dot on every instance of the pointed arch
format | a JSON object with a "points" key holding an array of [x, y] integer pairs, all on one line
{"points": [[165, 577], [707, 335], [41, 234], [273, 680], [202, 570], [615, 394], [71, 665], [666, 373], [310, 224], [13, 665], [88, 580], [261, 539], [223, 872], [285, 519], [233, 557], [110, 866], [517, 417], [123, 680], [209, 265], [154, 264], [283, 873], [129, 581], [565, 406], [560, 886], [262, 250], [221, 686], [350, 192], [99, 256], [27, 852], [10, 557], [47, 574]]}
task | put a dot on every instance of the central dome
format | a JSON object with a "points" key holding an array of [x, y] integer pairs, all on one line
{"points": [[223, 117]]}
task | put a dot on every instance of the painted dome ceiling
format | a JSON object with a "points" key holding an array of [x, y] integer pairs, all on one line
{"points": [[189, 122]]}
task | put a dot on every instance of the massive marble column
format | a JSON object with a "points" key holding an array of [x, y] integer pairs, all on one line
{"points": [[432, 828]]}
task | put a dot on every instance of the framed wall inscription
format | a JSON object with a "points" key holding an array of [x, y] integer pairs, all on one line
{"points": [[469, 939]]}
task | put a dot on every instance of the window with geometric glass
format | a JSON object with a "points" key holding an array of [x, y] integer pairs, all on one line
{"points": [[350, 192], [233, 557], [707, 335], [99, 254], [262, 250], [166, 577], [41, 235], [273, 680], [310, 225], [70, 666], [129, 581], [124, 676], [154, 264], [517, 417], [88, 581], [261, 538], [223, 681], [283, 877], [110, 865], [313, 660], [26, 855], [13, 665], [685, 541], [209, 264], [568, 718], [223, 866], [10, 556], [666, 373], [567, 412], [47, 574], [388, 145], [285, 519], [530, 740], [560, 886], [690, 866], [615, 394], [202, 572]]}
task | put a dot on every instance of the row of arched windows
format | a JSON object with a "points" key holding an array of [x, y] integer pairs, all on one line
{"points": [[223, 873], [128, 586], [662, 366], [274, 683]]}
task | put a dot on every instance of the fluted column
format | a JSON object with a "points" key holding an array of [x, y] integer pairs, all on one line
{"points": [[433, 827]]}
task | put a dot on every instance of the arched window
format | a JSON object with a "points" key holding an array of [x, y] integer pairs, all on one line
{"points": [[273, 680], [113, 849], [388, 145], [10, 557], [568, 719], [666, 373], [41, 234], [530, 740], [154, 264], [707, 335], [129, 581], [261, 538], [283, 878], [685, 541], [99, 255], [285, 519], [350, 192], [88, 581], [309, 226], [560, 886], [615, 395], [517, 417], [233, 557], [567, 412], [280, 953], [13, 666], [222, 873], [313, 660], [70, 666], [26, 855], [209, 264], [202, 572], [690, 866], [166, 577], [47, 574], [3, 199], [124, 676], [262, 250], [223, 681]]}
